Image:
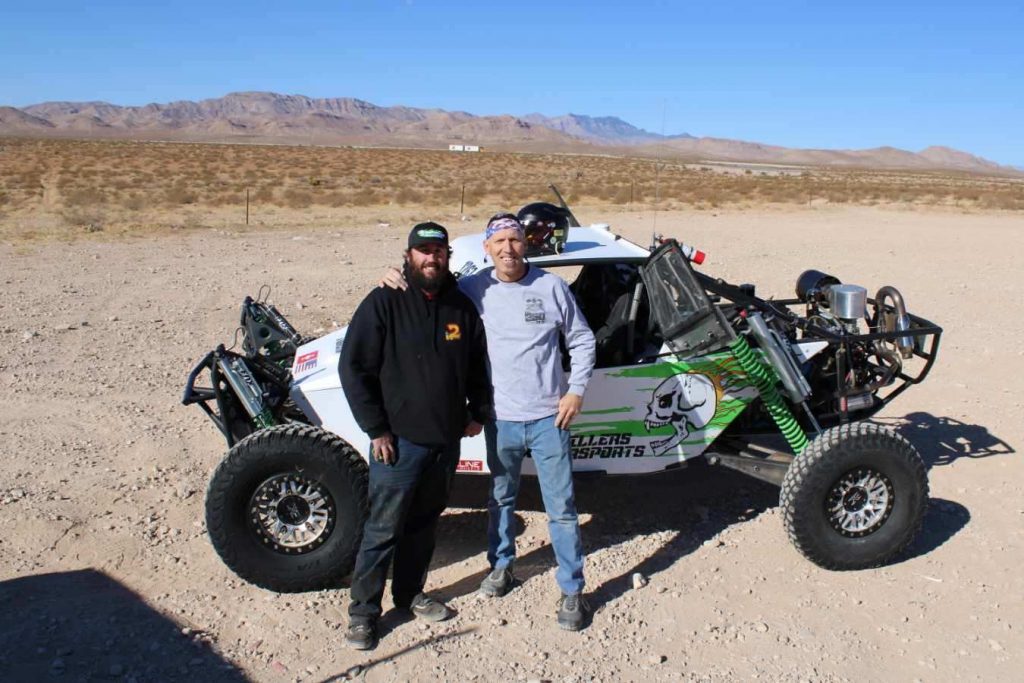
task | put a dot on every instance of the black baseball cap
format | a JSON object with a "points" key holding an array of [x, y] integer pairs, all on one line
{"points": [[428, 233]]}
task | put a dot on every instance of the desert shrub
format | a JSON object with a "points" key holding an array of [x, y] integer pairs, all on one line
{"points": [[622, 195], [134, 202], [89, 219], [100, 173], [263, 195], [365, 196], [296, 199], [179, 193], [408, 195], [1000, 200], [26, 179], [336, 199], [447, 194], [226, 198], [475, 194], [87, 196]]}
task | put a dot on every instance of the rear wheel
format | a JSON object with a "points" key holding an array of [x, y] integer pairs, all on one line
{"points": [[285, 509], [855, 497]]}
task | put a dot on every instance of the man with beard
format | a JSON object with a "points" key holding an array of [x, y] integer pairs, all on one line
{"points": [[414, 369]]}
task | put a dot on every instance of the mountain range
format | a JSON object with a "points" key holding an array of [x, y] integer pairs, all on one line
{"points": [[295, 119]]}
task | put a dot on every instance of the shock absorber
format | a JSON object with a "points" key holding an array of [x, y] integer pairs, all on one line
{"points": [[246, 388], [765, 379]]}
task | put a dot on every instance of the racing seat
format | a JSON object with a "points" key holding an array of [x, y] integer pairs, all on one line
{"points": [[605, 294]]}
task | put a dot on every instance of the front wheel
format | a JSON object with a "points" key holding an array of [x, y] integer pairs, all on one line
{"points": [[855, 497], [285, 509]]}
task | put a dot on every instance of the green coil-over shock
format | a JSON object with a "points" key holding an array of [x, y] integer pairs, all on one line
{"points": [[763, 377]]}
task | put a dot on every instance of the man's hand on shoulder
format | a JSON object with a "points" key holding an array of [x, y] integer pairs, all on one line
{"points": [[384, 449], [393, 278], [568, 408]]}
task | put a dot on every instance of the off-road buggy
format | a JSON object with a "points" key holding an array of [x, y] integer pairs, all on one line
{"points": [[688, 366]]}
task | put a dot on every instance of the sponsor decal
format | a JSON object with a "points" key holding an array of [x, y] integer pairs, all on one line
{"points": [[305, 362], [470, 466], [585, 446], [338, 343], [452, 332], [431, 233], [534, 310], [673, 409], [282, 324], [685, 402], [242, 370]]}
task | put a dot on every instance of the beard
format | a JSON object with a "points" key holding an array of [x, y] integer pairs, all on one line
{"points": [[430, 284]]}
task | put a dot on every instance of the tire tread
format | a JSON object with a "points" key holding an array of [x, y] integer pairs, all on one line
{"points": [[249, 452], [805, 473]]}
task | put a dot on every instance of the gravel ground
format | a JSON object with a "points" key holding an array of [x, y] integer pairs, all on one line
{"points": [[106, 571]]}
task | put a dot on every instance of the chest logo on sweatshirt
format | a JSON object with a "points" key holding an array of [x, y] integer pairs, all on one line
{"points": [[534, 310], [452, 332]]}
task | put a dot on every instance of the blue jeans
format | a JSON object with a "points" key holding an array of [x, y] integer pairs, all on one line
{"points": [[507, 445], [406, 499]]}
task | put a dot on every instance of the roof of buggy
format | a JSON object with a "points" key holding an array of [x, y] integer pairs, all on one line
{"points": [[586, 244]]}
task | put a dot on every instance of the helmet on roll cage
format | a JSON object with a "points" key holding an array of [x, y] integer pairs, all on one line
{"points": [[546, 227]]}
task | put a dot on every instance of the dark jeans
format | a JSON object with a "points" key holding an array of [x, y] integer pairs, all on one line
{"points": [[406, 499]]}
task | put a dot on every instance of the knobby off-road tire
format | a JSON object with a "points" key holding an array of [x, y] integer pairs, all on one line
{"points": [[855, 497], [285, 508]]}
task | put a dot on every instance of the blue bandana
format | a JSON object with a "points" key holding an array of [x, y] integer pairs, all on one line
{"points": [[504, 223]]}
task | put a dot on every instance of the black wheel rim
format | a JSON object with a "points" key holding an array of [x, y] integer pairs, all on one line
{"points": [[292, 514], [859, 502]]}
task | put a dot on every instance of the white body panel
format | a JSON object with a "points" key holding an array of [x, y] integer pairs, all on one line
{"points": [[620, 429]]}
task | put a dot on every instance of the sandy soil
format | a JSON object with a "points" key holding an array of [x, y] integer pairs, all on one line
{"points": [[106, 572]]}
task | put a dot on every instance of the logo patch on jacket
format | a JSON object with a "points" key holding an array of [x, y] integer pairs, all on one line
{"points": [[452, 332]]}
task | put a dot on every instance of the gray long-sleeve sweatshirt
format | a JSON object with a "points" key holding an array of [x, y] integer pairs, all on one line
{"points": [[523, 321]]}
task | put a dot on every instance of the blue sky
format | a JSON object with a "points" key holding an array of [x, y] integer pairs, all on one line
{"points": [[801, 74]]}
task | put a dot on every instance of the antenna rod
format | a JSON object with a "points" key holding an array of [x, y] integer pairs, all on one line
{"points": [[657, 180]]}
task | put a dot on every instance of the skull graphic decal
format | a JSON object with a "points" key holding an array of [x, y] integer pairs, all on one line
{"points": [[686, 401]]}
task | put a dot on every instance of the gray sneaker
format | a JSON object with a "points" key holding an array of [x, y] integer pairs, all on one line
{"points": [[572, 612], [499, 582], [429, 609]]}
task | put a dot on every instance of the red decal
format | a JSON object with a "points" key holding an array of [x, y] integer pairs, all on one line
{"points": [[306, 361]]}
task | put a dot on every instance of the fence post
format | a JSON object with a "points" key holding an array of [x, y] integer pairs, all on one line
{"points": [[462, 204], [247, 206]]}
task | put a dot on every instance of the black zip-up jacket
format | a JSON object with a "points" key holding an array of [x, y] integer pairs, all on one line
{"points": [[416, 367]]}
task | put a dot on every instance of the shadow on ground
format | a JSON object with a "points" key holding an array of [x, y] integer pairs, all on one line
{"points": [[694, 504], [942, 520], [942, 440], [360, 669], [84, 625]]}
